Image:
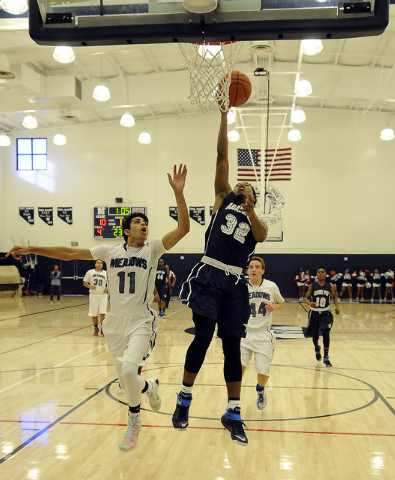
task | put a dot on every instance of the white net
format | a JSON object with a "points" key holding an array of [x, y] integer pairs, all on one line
{"points": [[210, 65]]}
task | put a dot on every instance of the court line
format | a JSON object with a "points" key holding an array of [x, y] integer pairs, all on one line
{"points": [[48, 369], [44, 340], [45, 429], [389, 341], [356, 321], [44, 311]]}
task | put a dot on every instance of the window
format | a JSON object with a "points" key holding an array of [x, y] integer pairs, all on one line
{"points": [[31, 154]]}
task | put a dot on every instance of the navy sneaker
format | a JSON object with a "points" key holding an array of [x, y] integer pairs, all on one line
{"points": [[231, 420], [327, 362], [180, 415], [318, 355]]}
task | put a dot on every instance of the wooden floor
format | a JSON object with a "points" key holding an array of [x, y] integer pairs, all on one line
{"points": [[62, 415]]}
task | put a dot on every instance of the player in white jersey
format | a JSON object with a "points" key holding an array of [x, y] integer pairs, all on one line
{"points": [[131, 325], [96, 281], [265, 298]]}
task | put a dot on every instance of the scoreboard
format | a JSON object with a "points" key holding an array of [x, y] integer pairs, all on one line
{"points": [[108, 220]]}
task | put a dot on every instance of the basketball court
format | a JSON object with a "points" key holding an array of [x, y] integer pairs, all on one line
{"points": [[63, 414]]}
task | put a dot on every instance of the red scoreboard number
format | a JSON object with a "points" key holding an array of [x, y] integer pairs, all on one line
{"points": [[108, 220]]}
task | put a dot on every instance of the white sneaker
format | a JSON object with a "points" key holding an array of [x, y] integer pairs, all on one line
{"points": [[153, 395], [129, 441], [372, 300], [385, 300], [381, 300], [350, 299], [261, 400]]}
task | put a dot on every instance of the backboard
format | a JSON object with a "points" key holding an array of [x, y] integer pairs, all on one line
{"points": [[117, 22]]}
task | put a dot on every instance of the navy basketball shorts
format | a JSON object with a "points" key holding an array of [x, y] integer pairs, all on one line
{"points": [[162, 291], [318, 321], [210, 292]]}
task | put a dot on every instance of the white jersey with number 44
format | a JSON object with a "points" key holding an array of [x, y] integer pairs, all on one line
{"points": [[265, 292], [130, 272]]}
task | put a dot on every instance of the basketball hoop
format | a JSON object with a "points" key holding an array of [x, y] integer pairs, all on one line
{"points": [[210, 64]]}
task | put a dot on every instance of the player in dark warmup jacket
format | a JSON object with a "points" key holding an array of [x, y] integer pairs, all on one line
{"points": [[217, 292], [320, 316], [162, 280]]}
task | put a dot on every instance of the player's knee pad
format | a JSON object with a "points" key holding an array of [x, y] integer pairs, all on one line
{"points": [[232, 359]]}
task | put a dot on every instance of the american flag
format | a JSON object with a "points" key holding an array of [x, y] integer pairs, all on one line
{"points": [[277, 165]]}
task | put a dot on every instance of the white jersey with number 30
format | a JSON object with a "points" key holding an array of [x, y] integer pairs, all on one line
{"points": [[130, 272]]}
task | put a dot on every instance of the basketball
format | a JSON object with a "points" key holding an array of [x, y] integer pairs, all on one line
{"points": [[240, 89]]}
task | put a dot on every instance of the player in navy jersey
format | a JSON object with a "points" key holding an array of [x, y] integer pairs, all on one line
{"points": [[320, 321], [162, 281], [130, 327], [216, 290]]}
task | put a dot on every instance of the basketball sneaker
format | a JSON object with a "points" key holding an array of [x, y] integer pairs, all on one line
{"points": [[153, 395], [96, 332], [261, 400], [231, 420], [102, 333], [129, 441], [180, 415], [327, 362], [318, 355]]}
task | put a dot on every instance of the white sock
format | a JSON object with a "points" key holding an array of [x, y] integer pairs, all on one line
{"points": [[186, 389]]}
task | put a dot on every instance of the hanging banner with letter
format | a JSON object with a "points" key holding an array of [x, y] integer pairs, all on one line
{"points": [[198, 214], [173, 212], [66, 214], [27, 213], [46, 214]]}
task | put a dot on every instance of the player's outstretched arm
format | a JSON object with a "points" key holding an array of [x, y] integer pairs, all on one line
{"points": [[259, 228], [177, 183], [62, 253], [221, 183]]}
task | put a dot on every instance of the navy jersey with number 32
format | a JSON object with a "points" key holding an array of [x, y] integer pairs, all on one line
{"points": [[229, 237]]}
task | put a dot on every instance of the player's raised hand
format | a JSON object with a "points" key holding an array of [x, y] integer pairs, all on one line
{"points": [[248, 206], [18, 251], [177, 182]]}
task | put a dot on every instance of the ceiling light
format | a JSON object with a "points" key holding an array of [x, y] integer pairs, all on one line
{"points": [[231, 116], [387, 134], [303, 88], [127, 120], [298, 115], [144, 137], [59, 139], [63, 54], [200, 6], [233, 135], [209, 51], [101, 93], [5, 140], [15, 7], [311, 46], [30, 122], [294, 135]]}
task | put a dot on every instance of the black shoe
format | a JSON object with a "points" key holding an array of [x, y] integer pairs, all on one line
{"points": [[180, 415], [318, 355], [231, 420], [327, 362]]}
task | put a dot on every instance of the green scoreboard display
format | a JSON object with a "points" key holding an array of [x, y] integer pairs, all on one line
{"points": [[108, 220]]}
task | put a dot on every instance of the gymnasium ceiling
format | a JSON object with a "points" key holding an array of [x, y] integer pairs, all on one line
{"points": [[151, 81]]}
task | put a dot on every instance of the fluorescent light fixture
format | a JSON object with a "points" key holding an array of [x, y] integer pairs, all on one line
{"points": [[233, 135], [63, 54], [59, 139], [294, 135], [298, 115], [30, 122], [5, 140], [15, 7], [311, 46], [209, 51], [231, 116], [303, 88], [101, 93], [144, 137], [387, 134], [200, 6], [127, 120]]}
